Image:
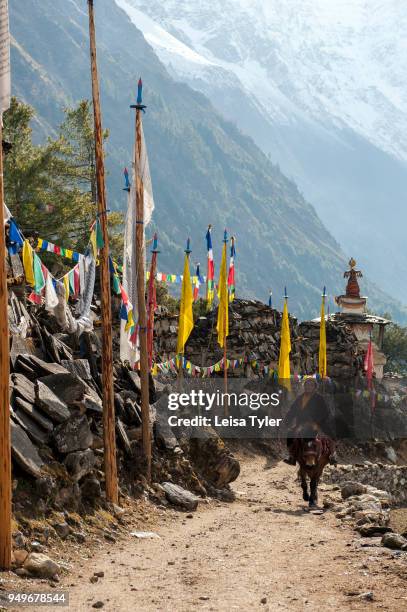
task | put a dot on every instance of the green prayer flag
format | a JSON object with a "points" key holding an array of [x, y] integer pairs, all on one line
{"points": [[100, 243], [116, 284], [39, 280], [71, 282]]}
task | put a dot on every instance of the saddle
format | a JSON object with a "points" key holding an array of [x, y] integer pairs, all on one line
{"points": [[319, 445]]}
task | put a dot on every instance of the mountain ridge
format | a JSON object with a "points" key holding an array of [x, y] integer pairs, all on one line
{"points": [[203, 168], [321, 90]]}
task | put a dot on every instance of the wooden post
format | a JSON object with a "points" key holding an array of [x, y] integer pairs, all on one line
{"points": [[5, 450], [225, 369], [225, 375], [141, 296], [109, 431]]}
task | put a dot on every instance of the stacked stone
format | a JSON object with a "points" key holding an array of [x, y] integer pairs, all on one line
{"points": [[344, 359], [392, 478], [254, 335]]}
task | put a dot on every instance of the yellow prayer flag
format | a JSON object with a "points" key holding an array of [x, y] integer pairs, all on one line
{"points": [[28, 262], [222, 325], [66, 285], [285, 349], [94, 243], [322, 343], [68, 253], [186, 319]]}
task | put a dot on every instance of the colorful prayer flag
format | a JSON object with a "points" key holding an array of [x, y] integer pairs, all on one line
{"points": [[210, 277], [197, 282], [231, 275], [369, 369], [223, 308]]}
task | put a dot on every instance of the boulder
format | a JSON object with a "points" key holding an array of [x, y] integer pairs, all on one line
{"points": [[164, 435], [24, 452], [55, 408], [20, 555], [23, 387], [91, 489], [370, 531], [34, 413], [78, 367], [180, 497], [80, 463], [34, 432], [41, 566], [62, 529], [394, 540], [68, 387], [42, 367], [73, 435], [349, 489]]}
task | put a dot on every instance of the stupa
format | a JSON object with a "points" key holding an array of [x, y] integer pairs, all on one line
{"points": [[353, 311]]}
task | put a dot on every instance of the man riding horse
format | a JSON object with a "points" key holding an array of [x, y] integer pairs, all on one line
{"points": [[308, 419]]}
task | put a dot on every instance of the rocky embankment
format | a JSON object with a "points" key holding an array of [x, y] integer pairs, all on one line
{"points": [[366, 507]]}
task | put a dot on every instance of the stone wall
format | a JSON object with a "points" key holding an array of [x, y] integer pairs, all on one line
{"points": [[391, 478], [254, 335]]}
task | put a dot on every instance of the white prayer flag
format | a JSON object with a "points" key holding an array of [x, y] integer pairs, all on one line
{"points": [[129, 350]]}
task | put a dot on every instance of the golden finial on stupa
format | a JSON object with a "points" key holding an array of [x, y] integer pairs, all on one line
{"points": [[352, 263]]}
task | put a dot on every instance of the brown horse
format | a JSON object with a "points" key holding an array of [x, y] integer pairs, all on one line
{"points": [[312, 455]]}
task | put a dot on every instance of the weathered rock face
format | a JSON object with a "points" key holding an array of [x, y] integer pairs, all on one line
{"points": [[73, 435], [390, 478], [56, 413], [24, 452], [50, 403]]}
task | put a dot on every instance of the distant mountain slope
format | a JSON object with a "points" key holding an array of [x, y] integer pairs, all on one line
{"points": [[203, 169], [320, 87]]}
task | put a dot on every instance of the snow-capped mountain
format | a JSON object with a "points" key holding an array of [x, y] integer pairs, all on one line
{"points": [[320, 86]]}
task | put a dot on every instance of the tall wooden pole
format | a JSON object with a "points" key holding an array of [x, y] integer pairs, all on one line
{"points": [[141, 291], [225, 374], [5, 452], [225, 367], [109, 432]]}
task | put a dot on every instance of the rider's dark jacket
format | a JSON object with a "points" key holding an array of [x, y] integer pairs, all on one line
{"points": [[315, 411]]}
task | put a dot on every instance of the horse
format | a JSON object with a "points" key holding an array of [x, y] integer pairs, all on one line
{"points": [[312, 455]]}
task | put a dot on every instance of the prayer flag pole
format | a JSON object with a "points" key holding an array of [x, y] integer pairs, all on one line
{"points": [[5, 443], [322, 368], [109, 430], [223, 315], [186, 322], [152, 304], [141, 284], [5, 449]]}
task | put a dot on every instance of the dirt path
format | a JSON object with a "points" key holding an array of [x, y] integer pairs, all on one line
{"points": [[261, 553]]}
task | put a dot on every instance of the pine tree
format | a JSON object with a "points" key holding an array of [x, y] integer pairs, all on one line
{"points": [[51, 188]]}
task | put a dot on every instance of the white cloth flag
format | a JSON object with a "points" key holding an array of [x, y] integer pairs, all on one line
{"points": [[129, 351], [51, 298], [5, 78], [6, 214]]}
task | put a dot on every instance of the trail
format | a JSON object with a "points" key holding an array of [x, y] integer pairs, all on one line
{"points": [[262, 552]]}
